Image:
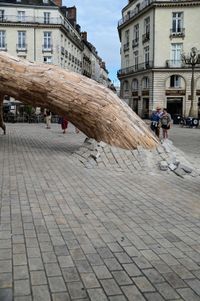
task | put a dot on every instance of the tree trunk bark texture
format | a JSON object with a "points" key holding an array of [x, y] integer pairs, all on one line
{"points": [[91, 107]]}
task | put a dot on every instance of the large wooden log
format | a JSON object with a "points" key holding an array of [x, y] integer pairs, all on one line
{"points": [[91, 107]]}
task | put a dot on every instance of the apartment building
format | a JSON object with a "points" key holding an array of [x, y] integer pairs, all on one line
{"points": [[39, 30], [154, 35]]}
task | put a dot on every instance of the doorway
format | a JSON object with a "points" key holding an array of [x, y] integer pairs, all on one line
{"points": [[175, 106]]}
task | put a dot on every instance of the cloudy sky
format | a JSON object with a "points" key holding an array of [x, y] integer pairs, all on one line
{"points": [[99, 18]]}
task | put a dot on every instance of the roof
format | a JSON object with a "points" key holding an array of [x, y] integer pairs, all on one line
{"points": [[29, 2]]}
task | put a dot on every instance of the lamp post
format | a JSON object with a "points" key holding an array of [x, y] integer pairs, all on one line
{"points": [[193, 58]]}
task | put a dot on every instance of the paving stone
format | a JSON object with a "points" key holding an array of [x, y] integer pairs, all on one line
{"points": [[153, 297], [56, 284], [70, 274], [195, 285], [52, 269], [61, 297], [123, 257], [21, 272], [174, 280], [166, 290], [132, 293], [102, 272], [188, 294], [97, 294], [143, 284], [21, 288], [5, 280], [110, 287], [76, 290], [38, 278], [90, 280], [122, 278], [6, 294], [94, 259], [132, 269], [41, 293], [112, 264]]}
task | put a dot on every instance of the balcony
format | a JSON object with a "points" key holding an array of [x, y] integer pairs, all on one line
{"points": [[27, 20], [3, 47], [175, 64], [47, 48], [126, 47], [145, 37], [62, 50], [21, 47], [135, 12], [135, 68], [177, 33], [135, 43]]}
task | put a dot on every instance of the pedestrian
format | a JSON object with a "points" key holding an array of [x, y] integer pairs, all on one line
{"points": [[155, 118], [155, 122], [165, 122], [64, 124], [48, 119]]}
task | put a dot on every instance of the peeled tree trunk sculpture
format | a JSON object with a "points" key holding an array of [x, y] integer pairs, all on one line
{"points": [[91, 107]]}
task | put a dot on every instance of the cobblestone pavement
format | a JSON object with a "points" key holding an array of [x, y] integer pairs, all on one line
{"points": [[70, 233], [188, 140]]}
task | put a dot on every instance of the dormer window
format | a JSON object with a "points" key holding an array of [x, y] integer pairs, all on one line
{"points": [[45, 1]]}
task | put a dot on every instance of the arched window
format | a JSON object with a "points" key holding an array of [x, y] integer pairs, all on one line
{"points": [[175, 81], [135, 85], [126, 86]]}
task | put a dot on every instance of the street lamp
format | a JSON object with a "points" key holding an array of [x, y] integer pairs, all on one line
{"points": [[193, 58]]}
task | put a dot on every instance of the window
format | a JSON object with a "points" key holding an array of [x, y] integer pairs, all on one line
{"points": [[127, 60], [176, 50], [136, 32], [145, 83], [135, 85], [147, 25], [2, 39], [177, 22], [146, 56], [1, 15], [46, 18], [21, 16], [47, 60], [136, 60], [126, 86], [45, 1], [47, 40], [175, 81], [127, 36], [21, 40]]}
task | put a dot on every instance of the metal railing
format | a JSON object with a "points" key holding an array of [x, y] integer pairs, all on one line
{"points": [[135, 11], [135, 43], [177, 33], [126, 46], [135, 68], [145, 37], [40, 20]]}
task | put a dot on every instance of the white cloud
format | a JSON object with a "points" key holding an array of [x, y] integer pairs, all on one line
{"points": [[99, 18]]}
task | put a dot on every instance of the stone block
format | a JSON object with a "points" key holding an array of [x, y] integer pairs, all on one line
{"points": [[163, 165]]}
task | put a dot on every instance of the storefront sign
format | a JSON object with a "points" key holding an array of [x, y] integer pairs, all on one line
{"points": [[175, 92]]}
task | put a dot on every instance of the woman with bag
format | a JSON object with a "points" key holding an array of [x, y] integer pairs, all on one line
{"points": [[165, 121]]}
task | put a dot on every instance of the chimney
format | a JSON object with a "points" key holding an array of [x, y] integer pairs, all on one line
{"points": [[58, 2], [71, 15], [84, 35]]}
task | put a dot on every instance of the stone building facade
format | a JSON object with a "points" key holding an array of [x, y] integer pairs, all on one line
{"points": [[153, 36]]}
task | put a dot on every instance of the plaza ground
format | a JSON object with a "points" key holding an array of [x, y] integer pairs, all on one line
{"points": [[71, 233]]}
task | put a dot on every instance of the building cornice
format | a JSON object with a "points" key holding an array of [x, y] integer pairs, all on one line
{"points": [[154, 4]]}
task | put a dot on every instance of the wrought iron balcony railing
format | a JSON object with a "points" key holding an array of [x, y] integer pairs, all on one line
{"points": [[126, 46], [135, 11], [135, 68], [145, 37], [135, 43], [177, 33], [41, 20]]}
